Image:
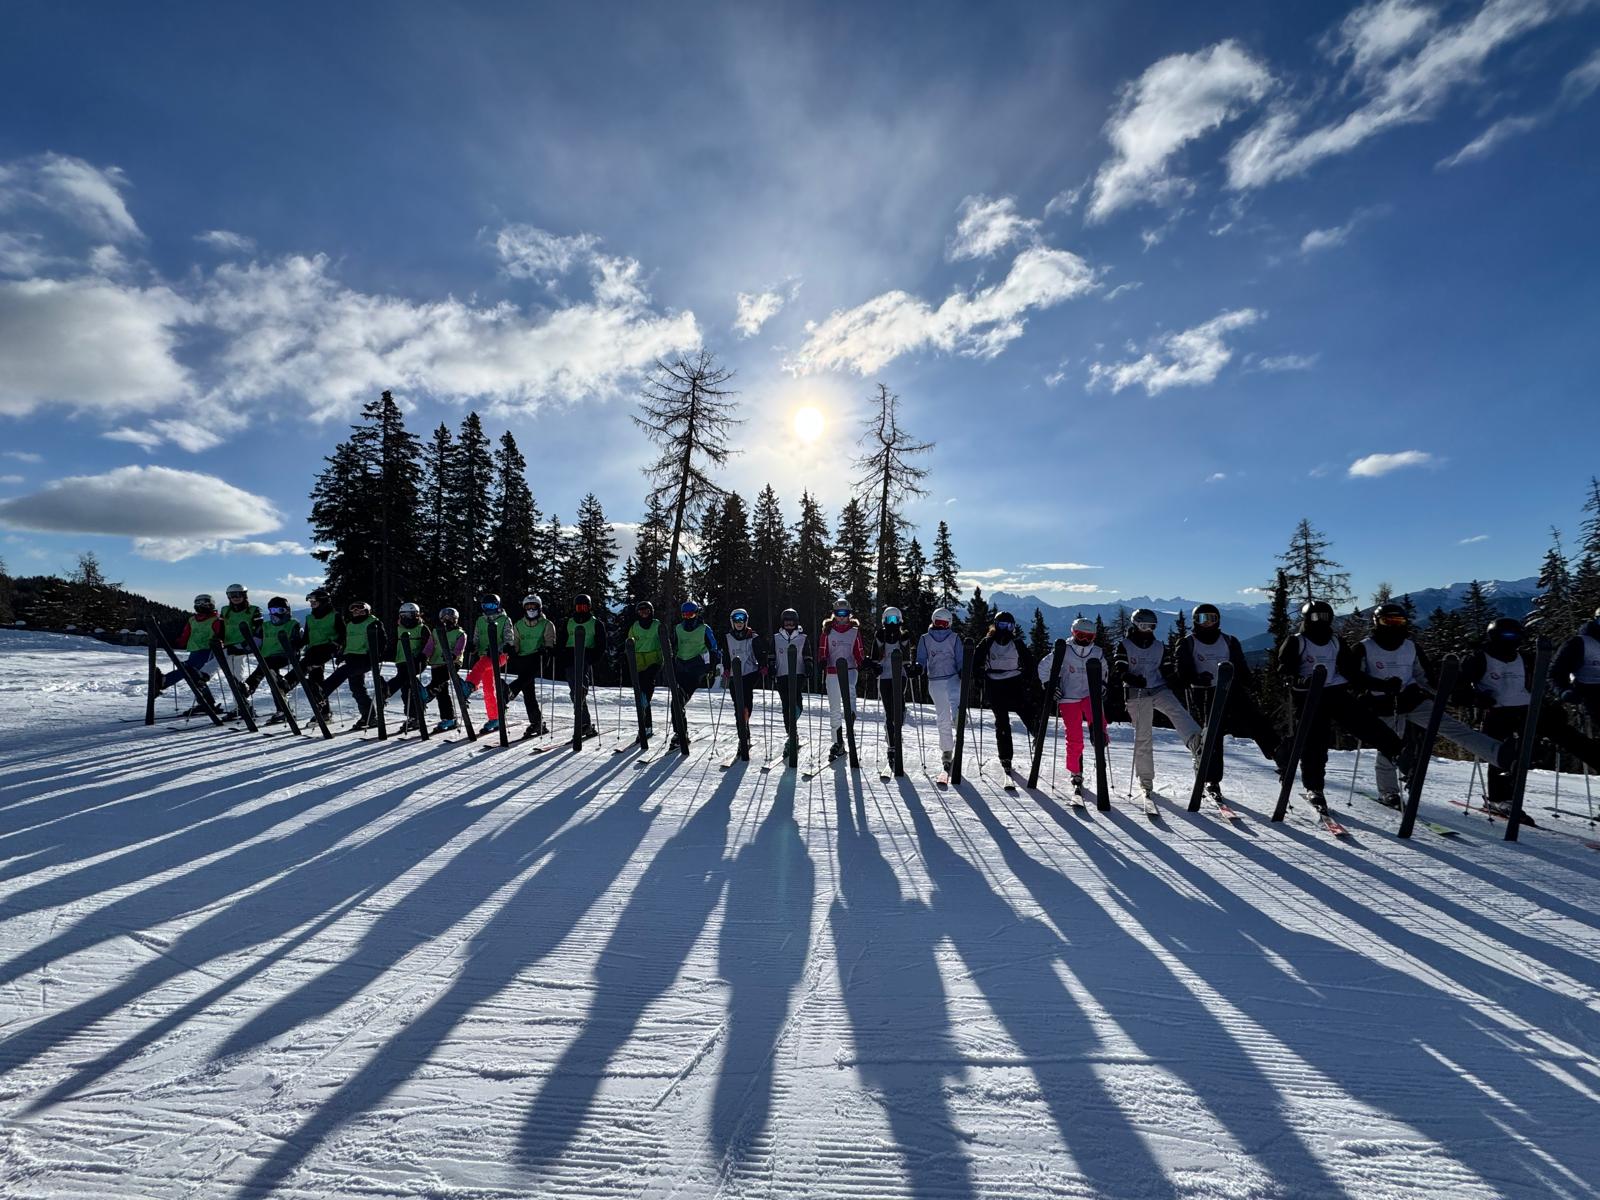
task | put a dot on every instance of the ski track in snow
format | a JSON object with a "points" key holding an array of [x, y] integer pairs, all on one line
{"points": [[238, 965]]}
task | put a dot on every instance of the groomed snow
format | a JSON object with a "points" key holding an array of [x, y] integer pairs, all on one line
{"points": [[240, 965]]}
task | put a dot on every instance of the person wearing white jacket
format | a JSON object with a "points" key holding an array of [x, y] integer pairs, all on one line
{"points": [[940, 657], [1141, 663], [1071, 691]]}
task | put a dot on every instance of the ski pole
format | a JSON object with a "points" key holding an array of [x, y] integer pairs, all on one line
{"points": [[1350, 800], [716, 716]]}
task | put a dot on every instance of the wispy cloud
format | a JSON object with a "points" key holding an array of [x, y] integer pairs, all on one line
{"points": [[1473, 540], [225, 241], [987, 225], [1187, 359], [1285, 362], [143, 503], [27, 456], [1216, 477], [755, 309], [87, 197], [1338, 235], [1373, 465], [1061, 566], [1122, 289], [1579, 84]]}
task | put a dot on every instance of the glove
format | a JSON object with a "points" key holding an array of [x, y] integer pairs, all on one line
{"points": [[1392, 686], [1203, 679], [763, 671], [1136, 681], [913, 670], [1569, 695], [727, 675]]}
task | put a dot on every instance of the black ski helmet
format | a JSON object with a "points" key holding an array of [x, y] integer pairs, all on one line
{"points": [[203, 603], [318, 596], [582, 603], [489, 601], [278, 604], [644, 606], [1003, 615], [788, 615], [1505, 629], [1315, 612], [1205, 614], [1144, 616], [1391, 614]]}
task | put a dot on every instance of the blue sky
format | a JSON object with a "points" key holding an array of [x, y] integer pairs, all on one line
{"points": [[1158, 279]]}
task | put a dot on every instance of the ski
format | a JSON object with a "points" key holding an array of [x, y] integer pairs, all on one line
{"points": [[377, 687], [239, 698], [1419, 769], [894, 714], [641, 707], [580, 691], [847, 698], [791, 711], [741, 719], [278, 697], [151, 680], [415, 698], [1327, 821], [1443, 831], [963, 696], [1150, 809], [782, 756], [1042, 734], [1302, 731], [500, 697], [459, 691], [1097, 735], [306, 686], [1530, 736], [202, 693], [1211, 747]]}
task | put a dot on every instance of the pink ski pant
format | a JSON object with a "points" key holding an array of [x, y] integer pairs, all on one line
{"points": [[1075, 714]]}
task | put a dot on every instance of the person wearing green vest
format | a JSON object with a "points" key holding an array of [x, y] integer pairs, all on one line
{"points": [[695, 657], [199, 639], [446, 644], [648, 655], [410, 634], [280, 632], [323, 635], [583, 624], [363, 637], [236, 618], [530, 644], [490, 630]]}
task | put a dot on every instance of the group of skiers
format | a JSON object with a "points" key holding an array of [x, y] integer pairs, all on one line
{"points": [[1372, 690]]}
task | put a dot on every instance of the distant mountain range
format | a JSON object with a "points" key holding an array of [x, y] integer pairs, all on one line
{"points": [[1248, 622]]}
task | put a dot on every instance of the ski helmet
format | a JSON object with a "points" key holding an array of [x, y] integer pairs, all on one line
{"points": [[532, 601], [318, 597], [790, 617], [489, 602], [1145, 619], [361, 605], [740, 617], [581, 603], [1316, 612], [689, 608], [1205, 614], [891, 615], [1083, 631], [204, 603], [643, 607], [236, 592], [278, 606], [1505, 629], [449, 616], [410, 613], [1004, 620], [841, 606], [1390, 615], [943, 618]]}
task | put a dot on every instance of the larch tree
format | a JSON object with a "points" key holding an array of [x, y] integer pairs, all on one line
{"points": [[889, 476], [1311, 571]]}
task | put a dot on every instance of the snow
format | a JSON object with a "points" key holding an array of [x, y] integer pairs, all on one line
{"points": [[240, 965]]}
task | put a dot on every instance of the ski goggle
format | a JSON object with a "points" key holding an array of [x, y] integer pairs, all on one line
{"points": [[277, 611], [740, 617], [358, 610], [490, 606], [1318, 618], [583, 608], [1005, 625], [1399, 620], [892, 619], [646, 610], [1083, 636], [1509, 635], [1146, 626], [1208, 618], [532, 608], [941, 623], [238, 595], [841, 613]]}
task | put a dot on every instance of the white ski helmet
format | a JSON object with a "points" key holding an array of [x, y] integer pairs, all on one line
{"points": [[449, 614], [235, 589], [532, 601], [841, 605], [891, 615], [1083, 631], [411, 611], [943, 618]]}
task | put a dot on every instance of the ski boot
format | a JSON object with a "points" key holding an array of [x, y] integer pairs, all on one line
{"points": [[411, 725], [589, 731], [947, 757], [491, 725], [1317, 800], [1005, 766], [1147, 788], [744, 751], [445, 726], [363, 722], [1391, 800], [1213, 791], [1077, 785], [836, 751], [275, 719]]}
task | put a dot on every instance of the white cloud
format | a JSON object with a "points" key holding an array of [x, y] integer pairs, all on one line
{"points": [[143, 503], [987, 226], [1474, 540], [22, 253], [755, 309], [1327, 239], [177, 549], [194, 436], [1321, 471], [10, 479], [1057, 377], [301, 581], [89, 344], [1055, 585], [88, 198], [1578, 85], [27, 456], [1398, 87], [1061, 566], [530, 253], [1373, 465], [1065, 201], [225, 241], [980, 324], [1176, 100], [1286, 362], [1216, 477], [1122, 289], [1252, 591], [1187, 359]]}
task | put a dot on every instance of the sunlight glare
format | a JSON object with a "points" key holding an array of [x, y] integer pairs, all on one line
{"points": [[808, 423]]}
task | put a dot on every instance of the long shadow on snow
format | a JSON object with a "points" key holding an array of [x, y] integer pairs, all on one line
{"points": [[64, 757], [1433, 1061], [1169, 1024], [766, 936], [580, 865], [899, 1015]]}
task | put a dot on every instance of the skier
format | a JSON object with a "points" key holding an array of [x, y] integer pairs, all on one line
{"points": [[446, 644], [1500, 678], [238, 616], [488, 631], [199, 639], [1006, 667], [889, 637], [940, 658], [279, 633], [582, 623], [1071, 692], [1199, 655], [695, 662], [1402, 678], [1576, 669], [531, 643], [841, 638], [744, 655], [1145, 669], [790, 633], [324, 634], [1299, 655], [410, 634], [647, 656], [363, 637]]}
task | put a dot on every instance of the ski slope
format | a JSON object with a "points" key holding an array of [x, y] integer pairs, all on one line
{"points": [[240, 966]]}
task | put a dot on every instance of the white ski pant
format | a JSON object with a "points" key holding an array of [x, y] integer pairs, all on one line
{"points": [[836, 700], [1142, 710], [1479, 745], [946, 695]]}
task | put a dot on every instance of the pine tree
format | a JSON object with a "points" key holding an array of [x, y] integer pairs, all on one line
{"points": [[916, 590], [643, 578], [1410, 605], [852, 568], [441, 538], [593, 557], [1179, 631], [1278, 620], [1119, 624], [472, 483], [727, 571], [1271, 692], [887, 480], [769, 552], [1553, 607], [558, 556], [1586, 572], [1311, 572], [344, 509], [979, 617], [810, 575], [1039, 643], [946, 572], [688, 413], [516, 534], [8, 612], [1102, 637], [1476, 611]]}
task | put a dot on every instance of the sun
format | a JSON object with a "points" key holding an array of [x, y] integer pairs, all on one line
{"points": [[809, 423]]}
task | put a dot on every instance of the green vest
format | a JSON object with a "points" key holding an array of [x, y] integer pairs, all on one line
{"points": [[646, 644], [480, 633], [321, 630], [573, 625], [443, 637], [201, 633], [276, 639], [691, 642], [416, 635], [530, 635], [234, 621], [355, 635]]}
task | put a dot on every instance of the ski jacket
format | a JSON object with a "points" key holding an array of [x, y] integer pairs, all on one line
{"points": [[940, 653], [1298, 656], [594, 637], [416, 636], [1151, 664], [1074, 678], [646, 643], [1198, 657], [1406, 662], [842, 643], [480, 632], [999, 660], [525, 637], [746, 650], [883, 647], [364, 637], [781, 641], [327, 629], [234, 621], [200, 634], [278, 637], [439, 639], [1497, 682], [1578, 660], [695, 641]]}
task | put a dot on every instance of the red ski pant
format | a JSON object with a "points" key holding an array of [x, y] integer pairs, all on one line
{"points": [[482, 677], [1075, 714]]}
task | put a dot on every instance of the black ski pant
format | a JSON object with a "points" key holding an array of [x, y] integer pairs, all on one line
{"points": [[312, 660], [1243, 719], [690, 675], [792, 689], [352, 671], [196, 664], [1007, 696], [1340, 707], [406, 683], [1589, 701], [439, 688], [277, 663], [526, 667], [1501, 723], [586, 718]]}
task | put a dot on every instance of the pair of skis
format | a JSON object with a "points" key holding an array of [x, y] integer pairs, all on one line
{"points": [[963, 698], [1050, 710]]}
